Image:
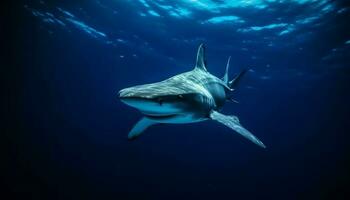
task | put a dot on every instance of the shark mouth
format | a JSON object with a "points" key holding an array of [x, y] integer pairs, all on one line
{"points": [[155, 117]]}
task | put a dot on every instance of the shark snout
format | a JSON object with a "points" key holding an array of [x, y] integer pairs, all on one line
{"points": [[128, 95], [133, 94], [137, 99], [149, 103], [124, 93]]}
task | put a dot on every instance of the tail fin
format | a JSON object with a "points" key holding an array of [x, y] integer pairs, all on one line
{"points": [[232, 84]]}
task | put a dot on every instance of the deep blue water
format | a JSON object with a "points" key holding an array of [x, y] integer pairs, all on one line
{"points": [[68, 130]]}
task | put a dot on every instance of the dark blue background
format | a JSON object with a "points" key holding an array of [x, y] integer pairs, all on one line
{"points": [[67, 130]]}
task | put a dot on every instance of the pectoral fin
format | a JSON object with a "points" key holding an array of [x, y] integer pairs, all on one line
{"points": [[140, 127], [233, 123]]}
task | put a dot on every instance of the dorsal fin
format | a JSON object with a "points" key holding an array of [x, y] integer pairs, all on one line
{"points": [[225, 78], [201, 62]]}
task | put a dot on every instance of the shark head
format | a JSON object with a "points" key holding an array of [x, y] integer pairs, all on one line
{"points": [[158, 99]]}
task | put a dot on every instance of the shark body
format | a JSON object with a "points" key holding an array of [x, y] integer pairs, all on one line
{"points": [[188, 97]]}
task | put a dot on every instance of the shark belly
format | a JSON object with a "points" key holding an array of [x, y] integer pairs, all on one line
{"points": [[178, 118]]}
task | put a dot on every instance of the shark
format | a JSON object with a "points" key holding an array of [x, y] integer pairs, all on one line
{"points": [[189, 97]]}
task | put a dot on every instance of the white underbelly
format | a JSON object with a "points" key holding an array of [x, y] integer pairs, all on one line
{"points": [[179, 119]]}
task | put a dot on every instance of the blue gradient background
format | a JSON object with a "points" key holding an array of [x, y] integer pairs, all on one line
{"points": [[67, 130]]}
